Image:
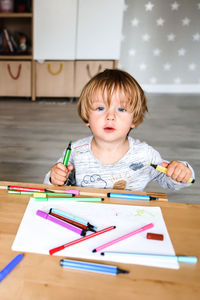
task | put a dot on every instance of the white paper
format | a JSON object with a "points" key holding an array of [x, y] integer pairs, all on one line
{"points": [[38, 235]]}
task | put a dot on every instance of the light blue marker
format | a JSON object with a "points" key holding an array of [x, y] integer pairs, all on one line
{"points": [[86, 266], [10, 266], [184, 259], [73, 218], [131, 196]]}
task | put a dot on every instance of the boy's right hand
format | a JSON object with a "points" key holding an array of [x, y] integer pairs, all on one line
{"points": [[60, 173]]}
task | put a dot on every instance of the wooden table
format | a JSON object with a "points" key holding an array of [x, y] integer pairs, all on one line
{"points": [[41, 277]]}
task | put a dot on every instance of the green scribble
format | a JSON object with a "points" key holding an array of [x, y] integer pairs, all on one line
{"points": [[140, 212]]}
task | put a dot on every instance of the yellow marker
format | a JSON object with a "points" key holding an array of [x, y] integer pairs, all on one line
{"points": [[42, 195], [164, 170]]}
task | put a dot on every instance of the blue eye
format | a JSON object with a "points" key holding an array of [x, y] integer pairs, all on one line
{"points": [[120, 109], [100, 108]]}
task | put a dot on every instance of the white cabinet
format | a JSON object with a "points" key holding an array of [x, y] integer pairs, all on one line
{"points": [[99, 29], [77, 29], [87, 32], [54, 29]]}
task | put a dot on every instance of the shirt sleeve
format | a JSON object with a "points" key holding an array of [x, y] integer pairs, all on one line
{"points": [[165, 181]]}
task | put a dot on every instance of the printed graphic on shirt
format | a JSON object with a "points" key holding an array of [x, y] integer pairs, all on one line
{"points": [[93, 180], [120, 185], [136, 166]]}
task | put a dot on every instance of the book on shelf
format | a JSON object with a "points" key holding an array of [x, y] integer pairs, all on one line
{"points": [[8, 41], [15, 43]]}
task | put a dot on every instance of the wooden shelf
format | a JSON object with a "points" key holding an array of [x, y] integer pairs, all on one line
{"points": [[16, 15], [13, 57]]}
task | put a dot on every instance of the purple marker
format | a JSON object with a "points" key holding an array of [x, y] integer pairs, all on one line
{"points": [[60, 222]]}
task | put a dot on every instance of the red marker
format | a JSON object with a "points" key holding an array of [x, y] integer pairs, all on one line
{"points": [[54, 250], [27, 189]]}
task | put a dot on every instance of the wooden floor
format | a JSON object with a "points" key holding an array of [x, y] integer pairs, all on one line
{"points": [[34, 134]]}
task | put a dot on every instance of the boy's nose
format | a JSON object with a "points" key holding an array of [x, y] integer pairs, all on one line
{"points": [[110, 115]]}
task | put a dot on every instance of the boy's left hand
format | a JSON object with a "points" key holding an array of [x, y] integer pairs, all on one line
{"points": [[178, 171]]}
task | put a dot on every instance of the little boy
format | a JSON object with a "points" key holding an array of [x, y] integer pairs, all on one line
{"points": [[111, 104]]}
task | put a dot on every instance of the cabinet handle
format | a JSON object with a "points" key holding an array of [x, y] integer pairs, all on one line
{"points": [[89, 73], [18, 72], [57, 72]]}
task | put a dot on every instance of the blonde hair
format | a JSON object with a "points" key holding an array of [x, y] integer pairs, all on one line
{"points": [[107, 83]]}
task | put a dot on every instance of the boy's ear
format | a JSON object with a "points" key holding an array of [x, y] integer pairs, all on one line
{"points": [[87, 124], [132, 125]]}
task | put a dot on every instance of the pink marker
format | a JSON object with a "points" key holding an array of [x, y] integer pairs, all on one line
{"points": [[74, 192], [123, 237]]}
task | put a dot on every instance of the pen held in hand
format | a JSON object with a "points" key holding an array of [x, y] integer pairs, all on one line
{"points": [[67, 154], [164, 170]]}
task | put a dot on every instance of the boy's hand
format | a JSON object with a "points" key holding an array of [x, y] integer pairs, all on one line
{"points": [[60, 173], [178, 171]]}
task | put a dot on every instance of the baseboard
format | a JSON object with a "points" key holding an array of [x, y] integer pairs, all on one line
{"points": [[172, 88]]}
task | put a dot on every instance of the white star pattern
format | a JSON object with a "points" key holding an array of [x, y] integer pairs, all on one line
{"points": [[186, 22], [160, 22], [171, 37], [125, 6], [177, 80], [146, 37], [167, 67], [196, 37], [149, 6], [131, 52], [181, 52], [175, 6], [153, 80], [162, 42], [135, 22], [142, 67], [192, 67], [156, 52]]}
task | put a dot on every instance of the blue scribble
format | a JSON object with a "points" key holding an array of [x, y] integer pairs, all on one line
{"points": [[136, 166], [94, 180]]}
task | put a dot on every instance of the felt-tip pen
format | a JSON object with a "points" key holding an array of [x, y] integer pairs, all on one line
{"points": [[131, 196], [164, 170], [10, 266], [67, 154], [93, 267]]}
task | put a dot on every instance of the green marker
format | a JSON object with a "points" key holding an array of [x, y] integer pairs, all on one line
{"points": [[20, 192], [78, 199], [67, 154]]}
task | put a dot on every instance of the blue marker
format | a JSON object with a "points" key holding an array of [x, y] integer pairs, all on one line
{"points": [[131, 196], [10, 266], [93, 267]]}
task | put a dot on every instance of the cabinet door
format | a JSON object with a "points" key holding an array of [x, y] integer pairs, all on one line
{"points": [[55, 79], [99, 29], [85, 70], [15, 78], [54, 29]]}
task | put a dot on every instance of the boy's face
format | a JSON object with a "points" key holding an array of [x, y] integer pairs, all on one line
{"points": [[110, 123]]}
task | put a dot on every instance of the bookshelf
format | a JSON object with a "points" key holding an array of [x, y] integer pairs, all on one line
{"points": [[16, 59]]}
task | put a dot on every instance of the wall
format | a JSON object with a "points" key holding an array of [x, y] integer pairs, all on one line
{"points": [[160, 45]]}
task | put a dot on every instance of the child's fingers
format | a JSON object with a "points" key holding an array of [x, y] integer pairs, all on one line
{"points": [[178, 171], [165, 164]]}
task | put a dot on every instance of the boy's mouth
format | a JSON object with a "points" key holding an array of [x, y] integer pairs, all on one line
{"points": [[109, 129]]}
